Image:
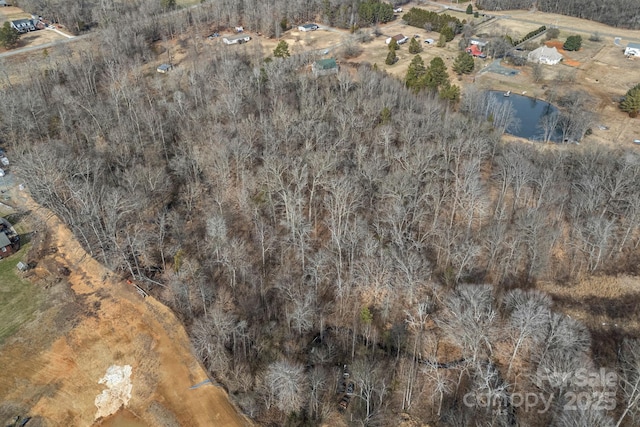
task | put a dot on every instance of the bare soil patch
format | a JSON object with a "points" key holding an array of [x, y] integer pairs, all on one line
{"points": [[97, 321]]}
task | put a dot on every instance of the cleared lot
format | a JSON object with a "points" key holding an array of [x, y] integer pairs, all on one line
{"points": [[34, 38]]}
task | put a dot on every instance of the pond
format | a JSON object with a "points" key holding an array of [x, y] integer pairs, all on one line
{"points": [[531, 115]]}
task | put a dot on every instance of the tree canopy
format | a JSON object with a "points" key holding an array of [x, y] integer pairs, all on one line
{"points": [[464, 63], [573, 43], [631, 101], [414, 46], [415, 78], [281, 50], [8, 36], [374, 12]]}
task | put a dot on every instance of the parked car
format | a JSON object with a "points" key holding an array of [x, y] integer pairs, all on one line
{"points": [[344, 403], [397, 10], [636, 141], [342, 387], [1, 172], [350, 388], [4, 160]]}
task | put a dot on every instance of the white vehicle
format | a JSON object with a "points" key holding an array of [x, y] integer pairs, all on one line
{"points": [[397, 10], [4, 160], [243, 38], [1, 172]]}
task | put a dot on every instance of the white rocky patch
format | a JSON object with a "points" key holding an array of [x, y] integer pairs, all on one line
{"points": [[118, 392]]}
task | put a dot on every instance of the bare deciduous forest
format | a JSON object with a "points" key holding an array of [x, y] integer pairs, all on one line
{"points": [[617, 13], [297, 225]]}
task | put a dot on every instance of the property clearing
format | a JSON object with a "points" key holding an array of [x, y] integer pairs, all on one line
{"points": [[87, 322], [33, 38]]}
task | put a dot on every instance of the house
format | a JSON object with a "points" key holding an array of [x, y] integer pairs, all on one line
{"points": [[307, 27], [545, 55], [399, 38], [242, 38], [24, 25], [164, 68], [325, 67], [632, 49], [6, 247], [478, 42], [474, 50]]}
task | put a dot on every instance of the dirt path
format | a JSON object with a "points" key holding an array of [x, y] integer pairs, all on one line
{"points": [[52, 366]]}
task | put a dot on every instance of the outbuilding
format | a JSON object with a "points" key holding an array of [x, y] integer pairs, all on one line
{"points": [[242, 38], [632, 49], [307, 27], [399, 38], [324, 67]]}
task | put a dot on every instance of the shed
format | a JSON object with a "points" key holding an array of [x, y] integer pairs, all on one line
{"points": [[399, 38], [22, 266], [545, 55], [632, 49], [478, 42], [242, 38], [6, 248], [307, 27], [324, 67], [164, 68]]}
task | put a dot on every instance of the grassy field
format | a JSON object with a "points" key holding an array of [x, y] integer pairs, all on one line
{"points": [[19, 298]]}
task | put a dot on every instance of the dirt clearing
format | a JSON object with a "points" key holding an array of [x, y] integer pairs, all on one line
{"points": [[92, 321]]}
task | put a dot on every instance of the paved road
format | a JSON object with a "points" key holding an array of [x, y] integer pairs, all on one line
{"points": [[41, 46]]}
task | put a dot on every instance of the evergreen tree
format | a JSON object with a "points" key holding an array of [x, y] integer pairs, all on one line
{"points": [[442, 41], [573, 43], [436, 73], [391, 57], [414, 47], [393, 45], [450, 92], [631, 102], [463, 64], [8, 36], [281, 50], [470, 9], [168, 4], [448, 33], [416, 73]]}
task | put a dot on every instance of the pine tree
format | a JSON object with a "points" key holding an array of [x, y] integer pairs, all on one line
{"points": [[463, 64], [416, 73], [448, 33], [393, 45], [573, 43], [8, 36], [414, 47], [631, 102], [281, 50], [470, 9], [442, 41], [391, 57], [450, 92], [436, 73]]}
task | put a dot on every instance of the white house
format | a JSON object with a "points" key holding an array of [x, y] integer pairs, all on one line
{"points": [[24, 25], [545, 55], [243, 38], [632, 49], [307, 27]]}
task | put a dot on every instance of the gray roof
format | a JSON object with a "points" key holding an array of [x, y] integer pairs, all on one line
{"points": [[634, 45], [4, 240]]}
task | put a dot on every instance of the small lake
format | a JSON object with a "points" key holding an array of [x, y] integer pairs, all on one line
{"points": [[529, 113]]}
